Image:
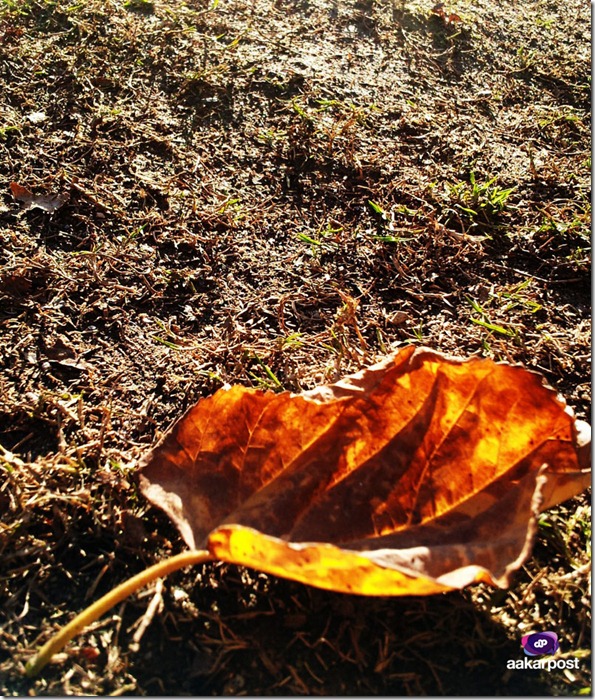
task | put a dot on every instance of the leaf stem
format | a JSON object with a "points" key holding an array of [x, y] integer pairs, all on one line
{"points": [[101, 606]]}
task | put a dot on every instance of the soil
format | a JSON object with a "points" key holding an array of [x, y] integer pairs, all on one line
{"points": [[275, 194]]}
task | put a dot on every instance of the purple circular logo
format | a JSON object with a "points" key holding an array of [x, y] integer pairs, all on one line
{"points": [[540, 643]]}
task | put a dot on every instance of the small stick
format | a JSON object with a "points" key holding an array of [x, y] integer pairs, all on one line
{"points": [[101, 606], [148, 616]]}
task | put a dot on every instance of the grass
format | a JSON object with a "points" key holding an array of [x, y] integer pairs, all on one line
{"points": [[479, 206], [275, 199]]}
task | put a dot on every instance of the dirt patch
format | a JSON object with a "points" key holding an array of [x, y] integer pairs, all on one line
{"points": [[275, 194]]}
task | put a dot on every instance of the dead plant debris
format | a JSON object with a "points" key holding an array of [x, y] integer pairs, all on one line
{"points": [[275, 193]]}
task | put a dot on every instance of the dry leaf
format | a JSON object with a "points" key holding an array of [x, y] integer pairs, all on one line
{"points": [[450, 18], [49, 204], [418, 475]]}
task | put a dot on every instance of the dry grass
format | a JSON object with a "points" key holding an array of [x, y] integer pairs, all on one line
{"points": [[275, 194]]}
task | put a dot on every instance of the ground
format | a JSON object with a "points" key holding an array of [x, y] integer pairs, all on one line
{"points": [[275, 194]]}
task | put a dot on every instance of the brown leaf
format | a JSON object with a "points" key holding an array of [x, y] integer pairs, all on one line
{"points": [[16, 284], [47, 203], [439, 11], [418, 475]]}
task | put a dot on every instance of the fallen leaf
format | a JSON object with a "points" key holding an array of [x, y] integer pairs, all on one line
{"points": [[439, 11], [16, 284], [398, 318], [420, 474], [57, 348], [47, 203]]}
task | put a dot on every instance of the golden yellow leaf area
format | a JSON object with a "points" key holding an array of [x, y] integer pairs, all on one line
{"points": [[320, 565], [419, 474]]}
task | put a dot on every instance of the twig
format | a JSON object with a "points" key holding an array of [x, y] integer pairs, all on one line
{"points": [[148, 616]]}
